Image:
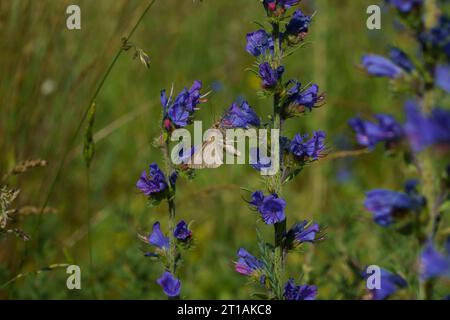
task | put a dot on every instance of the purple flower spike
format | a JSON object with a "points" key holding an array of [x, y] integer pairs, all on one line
{"points": [[153, 183], [247, 263], [157, 238], [182, 232], [302, 292], [171, 285]]}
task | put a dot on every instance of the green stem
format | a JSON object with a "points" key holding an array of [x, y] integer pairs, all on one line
{"points": [[73, 139], [276, 180], [172, 210]]}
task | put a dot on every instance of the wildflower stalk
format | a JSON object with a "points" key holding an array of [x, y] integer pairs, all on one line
{"points": [[276, 185], [171, 209]]}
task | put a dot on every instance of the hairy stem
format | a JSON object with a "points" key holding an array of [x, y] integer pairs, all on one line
{"points": [[276, 180]]}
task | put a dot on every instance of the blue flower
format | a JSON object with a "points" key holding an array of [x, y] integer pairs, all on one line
{"points": [[386, 205], [247, 263], [312, 148], [423, 131], [270, 76], [304, 232], [153, 183], [368, 134], [181, 231], [433, 263], [157, 238], [301, 292], [179, 111], [240, 116], [306, 98], [442, 76], [390, 283], [271, 207], [381, 67], [171, 285], [298, 26], [259, 43], [401, 59], [405, 5]]}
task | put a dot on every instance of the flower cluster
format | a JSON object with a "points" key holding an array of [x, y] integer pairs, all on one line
{"points": [[416, 211], [157, 186], [290, 99], [178, 111]]}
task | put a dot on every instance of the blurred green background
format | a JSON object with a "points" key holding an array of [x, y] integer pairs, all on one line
{"points": [[48, 75]]}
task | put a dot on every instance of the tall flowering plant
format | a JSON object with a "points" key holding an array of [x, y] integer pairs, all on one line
{"points": [[159, 185], [424, 138], [285, 30]]}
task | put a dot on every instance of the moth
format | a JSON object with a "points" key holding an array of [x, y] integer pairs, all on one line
{"points": [[211, 154]]}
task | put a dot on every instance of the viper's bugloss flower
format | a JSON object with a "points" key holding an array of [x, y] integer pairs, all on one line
{"points": [[157, 238], [390, 283], [179, 110], [170, 285], [181, 231], [301, 292], [312, 148], [153, 183], [300, 98], [442, 77], [271, 207], [270, 76], [259, 43], [240, 116], [380, 66], [304, 232], [434, 264], [247, 264], [368, 133], [405, 5], [422, 130], [298, 27], [438, 38], [401, 59], [386, 205]]}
